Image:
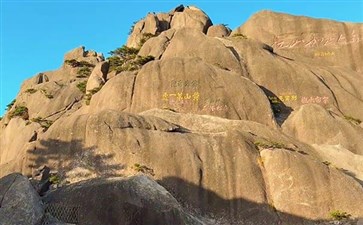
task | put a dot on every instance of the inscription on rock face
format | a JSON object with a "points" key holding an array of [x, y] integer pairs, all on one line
{"points": [[184, 95], [315, 99], [313, 40], [303, 99]]}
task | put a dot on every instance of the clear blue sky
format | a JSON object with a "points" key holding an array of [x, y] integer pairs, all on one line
{"points": [[36, 34]]}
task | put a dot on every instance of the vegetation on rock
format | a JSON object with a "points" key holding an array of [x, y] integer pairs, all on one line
{"points": [[75, 63], [339, 215], [125, 52], [126, 59], [84, 72], [46, 94], [44, 123], [31, 90], [10, 105], [21, 111], [90, 93], [143, 169], [145, 37], [353, 120], [82, 86], [239, 35], [132, 27], [270, 144], [54, 179]]}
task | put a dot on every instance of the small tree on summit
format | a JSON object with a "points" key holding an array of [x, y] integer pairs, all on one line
{"points": [[126, 59], [125, 53]]}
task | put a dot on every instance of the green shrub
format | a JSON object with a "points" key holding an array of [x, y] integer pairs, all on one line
{"points": [[54, 179], [115, 63], [119, 65], [1, 117], [145, 37], [339, 215], [132, 27], [126, 59], [72, 62], [31, 90], [45, 124], [141, 60], [86, 64], [270, 144], [90, 93], [45, 92], [75, 63], [84, 72], [10, 105], [353, 120], [143, 169], [82, 86], [239, 35], [125, 52], [19, 111]]}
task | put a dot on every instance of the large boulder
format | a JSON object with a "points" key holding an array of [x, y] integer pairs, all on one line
{"points": [[160, 143], [334, 88], [180, 17], [218, 31], [214, 104], [156, 46], [148, 25], [312, 188], [187, 85], [324, 128], [210, 49], [98, 76], [326, 42], [20, 203], [124, 201], [191, 17], [81, 54]]}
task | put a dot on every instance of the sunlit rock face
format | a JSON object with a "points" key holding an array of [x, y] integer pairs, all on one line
{"points": [[261, 125]]}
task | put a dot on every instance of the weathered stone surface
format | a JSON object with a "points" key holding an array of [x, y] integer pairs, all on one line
{"points": [[333, 88], [191, 17], [135, 200], [164, 21], [20, 204], [11, 144], [216, 145], [149, 25], [127, 140], [211, 50], [181, 17], [81, 54], [340, 157], [98, 76], [206, 86], [56, 96], [116, 94], [290, 177], [324, 128], [218, 31], [156, 46], [327, 42]]}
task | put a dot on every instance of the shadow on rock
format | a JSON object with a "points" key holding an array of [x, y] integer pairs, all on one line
{"points": [[280, 110], [73, 157], [211, 208]]}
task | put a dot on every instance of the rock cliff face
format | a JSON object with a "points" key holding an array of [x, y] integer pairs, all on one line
{"points": [[261, 125]]}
